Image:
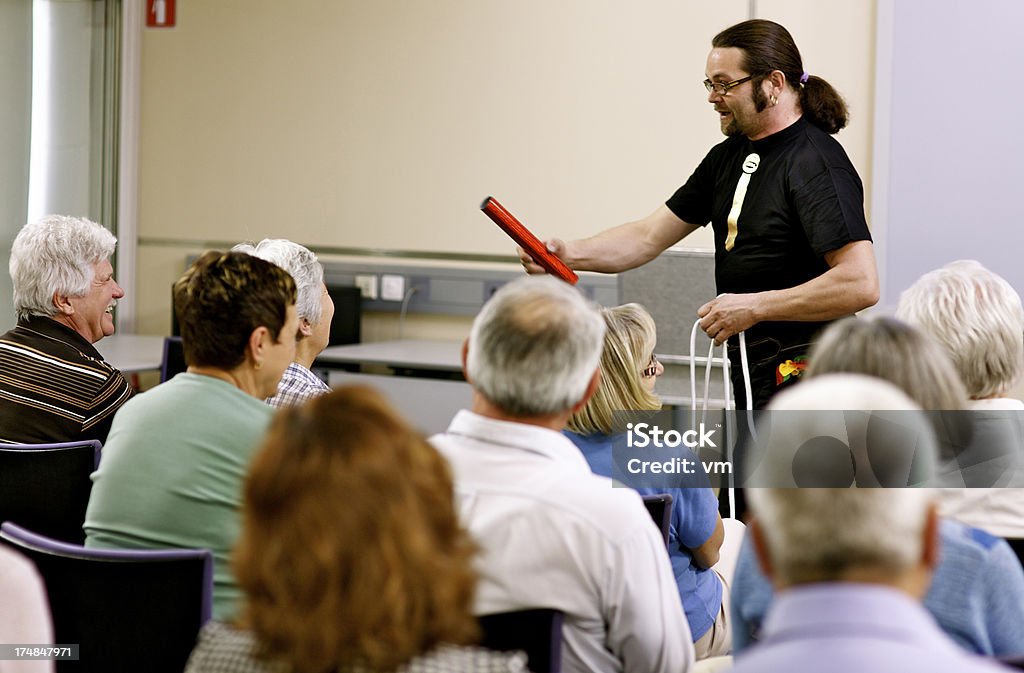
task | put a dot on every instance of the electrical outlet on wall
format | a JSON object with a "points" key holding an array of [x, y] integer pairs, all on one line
{"points": [[367, 286], [392, 287]]}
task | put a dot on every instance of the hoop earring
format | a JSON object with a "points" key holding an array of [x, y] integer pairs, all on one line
{"points": [[774, 99]]}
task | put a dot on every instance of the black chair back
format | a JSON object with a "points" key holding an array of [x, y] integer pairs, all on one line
{"points": [[46, 487], [660, 508], [537, 632], [128, 610], [174, 358], [1017, 545]]}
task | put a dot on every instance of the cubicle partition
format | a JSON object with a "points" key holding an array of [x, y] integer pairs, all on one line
{"points": [[672, 287]]}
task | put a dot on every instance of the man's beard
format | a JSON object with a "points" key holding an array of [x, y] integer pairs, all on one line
{"points": [[732, 128]]}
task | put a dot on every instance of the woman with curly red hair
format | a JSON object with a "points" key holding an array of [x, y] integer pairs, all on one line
{"points": [[351, 556]]}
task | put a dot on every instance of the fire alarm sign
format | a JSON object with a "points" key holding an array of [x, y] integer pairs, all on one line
{"points": [[160, 13]]}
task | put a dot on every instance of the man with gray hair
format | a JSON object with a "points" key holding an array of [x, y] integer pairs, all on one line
{"points": [[976, 593], [552, 533], [315, 309], [55, 386], [850, 565]]}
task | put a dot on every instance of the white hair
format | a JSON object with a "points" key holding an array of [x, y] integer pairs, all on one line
{"points": [[840, 430], [56, 256], [977, 317], [303, 266], [893, 350], [534, 347], [815, 534]]}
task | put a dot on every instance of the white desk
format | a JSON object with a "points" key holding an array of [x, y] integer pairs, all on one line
{"points": [[429, 404], [132, 353], [404, 354], [426, 401]]}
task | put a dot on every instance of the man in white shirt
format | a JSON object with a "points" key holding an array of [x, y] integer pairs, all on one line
{"points": [[552, 533]]}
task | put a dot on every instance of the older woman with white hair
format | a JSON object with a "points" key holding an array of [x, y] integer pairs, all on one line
{"points": [[315, 309], [56, 386], [977, 316], [978, 319]]}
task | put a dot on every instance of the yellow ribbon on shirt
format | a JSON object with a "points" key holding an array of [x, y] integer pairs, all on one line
{"points": [[749, 166]]}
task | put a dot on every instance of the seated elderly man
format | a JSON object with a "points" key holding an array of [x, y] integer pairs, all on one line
{"points": [[56, 387], [977, 591], [315, 309], [850, 565], [552, 533]]}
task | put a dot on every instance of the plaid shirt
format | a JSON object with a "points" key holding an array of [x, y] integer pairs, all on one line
{"points": [[297, 385], [224, 649]]}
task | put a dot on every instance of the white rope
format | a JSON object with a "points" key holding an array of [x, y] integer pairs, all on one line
{"points": [[707, 384], [746, 372], [746, 386], [693, 367], [726, 386]]}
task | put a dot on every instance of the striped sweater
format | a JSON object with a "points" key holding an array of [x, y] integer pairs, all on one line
{"points": [[55, 386]]}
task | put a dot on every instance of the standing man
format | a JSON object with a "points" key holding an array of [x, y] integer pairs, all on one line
{"points": [[792, 247], [54, 384], [551, 533]]}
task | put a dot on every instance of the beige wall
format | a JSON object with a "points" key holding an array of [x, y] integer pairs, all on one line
{"points": [[837, 42], [15, 127], [354, 123]]}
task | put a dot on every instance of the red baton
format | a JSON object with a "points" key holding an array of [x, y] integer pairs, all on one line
{"points": [[527, 241]]}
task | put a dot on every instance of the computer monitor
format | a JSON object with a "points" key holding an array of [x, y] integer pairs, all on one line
{"points": [[173, 360], [175, 327], [348, 314]]}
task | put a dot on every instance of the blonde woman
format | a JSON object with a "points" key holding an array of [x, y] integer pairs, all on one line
{"points": [[629, 371]]}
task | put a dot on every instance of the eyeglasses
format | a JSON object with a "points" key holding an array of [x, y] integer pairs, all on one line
{"points": [[652, 368], [722, 88]]}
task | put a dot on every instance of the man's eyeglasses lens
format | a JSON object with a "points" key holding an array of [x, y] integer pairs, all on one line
{"points": [[722, 88]]}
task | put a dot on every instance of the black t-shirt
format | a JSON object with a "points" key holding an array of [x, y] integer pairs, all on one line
{"points": [[803, 200]]}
